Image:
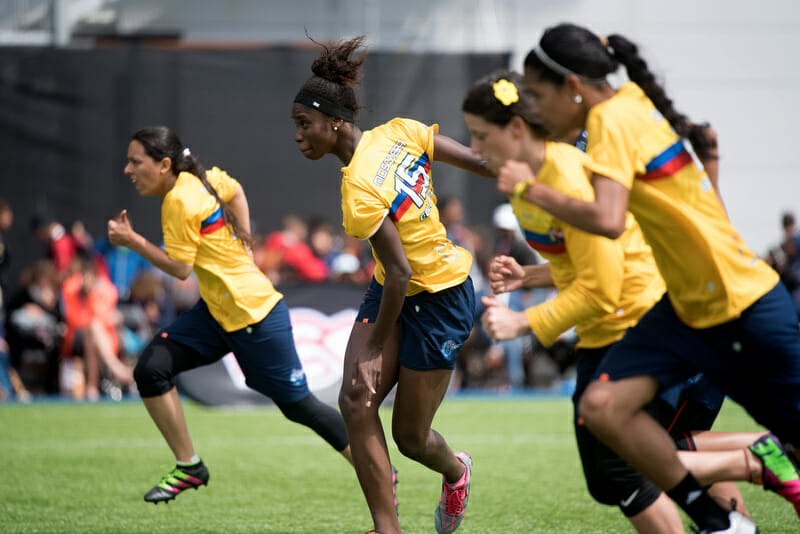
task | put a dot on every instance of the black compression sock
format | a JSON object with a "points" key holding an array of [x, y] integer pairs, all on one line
{"points": [[699, 505]]}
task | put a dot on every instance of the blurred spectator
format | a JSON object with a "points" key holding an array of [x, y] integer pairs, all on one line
{"points": [[123, 265], [34, 328], [141, 313], [354, 264], [324, 242], [89, 302], [451, 214], [179, 296], [6, 219], [286, 257], [785, 258], [61, 247], [509, 242]]}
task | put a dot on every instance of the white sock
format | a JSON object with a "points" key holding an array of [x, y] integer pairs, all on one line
{"points": [[193, 460]]}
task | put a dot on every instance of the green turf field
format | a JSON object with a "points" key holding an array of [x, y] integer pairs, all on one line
{"points": [[84, 468]]}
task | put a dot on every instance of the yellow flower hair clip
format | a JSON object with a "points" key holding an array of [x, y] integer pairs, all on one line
{"points": [[505, 92]]}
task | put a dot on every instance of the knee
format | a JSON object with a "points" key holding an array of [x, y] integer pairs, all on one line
{"points": [[410, 442], [596, 405], [353, 404], [152, 375]]}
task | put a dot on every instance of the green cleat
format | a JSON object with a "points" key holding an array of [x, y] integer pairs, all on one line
{"points": [[181, 478]]}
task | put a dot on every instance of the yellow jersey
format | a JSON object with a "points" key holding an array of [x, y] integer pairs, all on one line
{"points": [[389, 175], [711, 275], [604, 286], [236, 292]]}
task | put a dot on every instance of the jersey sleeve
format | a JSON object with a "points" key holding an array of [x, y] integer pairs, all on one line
{"points": [[181, 231], [611, 149], [363, 210], [595, 291], [421, 133], [223, 184]]}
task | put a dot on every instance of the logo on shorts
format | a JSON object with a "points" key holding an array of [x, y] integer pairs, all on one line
{"points": [[449, 347], [297, 377]]}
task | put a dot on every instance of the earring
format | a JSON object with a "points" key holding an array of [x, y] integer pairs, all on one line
{"points": [[577, 99], [335, 128]]}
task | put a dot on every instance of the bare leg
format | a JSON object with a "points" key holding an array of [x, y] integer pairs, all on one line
{"points": [[728, 496], [661, 517], [167, 413], [709, 467], [348, 454], [419, 394], [370, 453], [612, 411]]}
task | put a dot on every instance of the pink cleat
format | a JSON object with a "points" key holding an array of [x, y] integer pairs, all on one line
{"points": [[453, 502]]}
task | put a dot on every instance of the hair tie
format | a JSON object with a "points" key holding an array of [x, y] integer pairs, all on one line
{"points": [[187, 152], [562, 70], [505, 91], [604, 42]]}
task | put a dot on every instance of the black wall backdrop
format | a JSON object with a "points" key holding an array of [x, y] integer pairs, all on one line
{"points": [[66, 117]]}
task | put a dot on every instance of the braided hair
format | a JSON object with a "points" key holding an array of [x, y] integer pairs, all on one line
{"points": [[582, 52]]}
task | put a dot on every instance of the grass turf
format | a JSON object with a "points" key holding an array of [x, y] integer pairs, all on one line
{"points": [[84, 468]]}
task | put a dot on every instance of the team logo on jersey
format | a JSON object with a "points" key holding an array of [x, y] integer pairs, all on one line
{"points": [[450, 348], [297, 377], [412, 184]]}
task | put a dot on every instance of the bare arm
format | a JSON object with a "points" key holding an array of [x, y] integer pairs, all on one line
{"points": [[450, 151], [240, 208], [537, 276], [369, 358], [604, 216], [389, 249], [120, 232]]}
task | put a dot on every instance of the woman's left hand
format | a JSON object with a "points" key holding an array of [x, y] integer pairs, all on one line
{"points": [[502, 323]]}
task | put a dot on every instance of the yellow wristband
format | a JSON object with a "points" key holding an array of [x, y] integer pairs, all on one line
{"points": [[521, 188]]}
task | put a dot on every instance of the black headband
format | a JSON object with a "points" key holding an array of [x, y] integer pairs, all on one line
{"points": [[324, 105]]}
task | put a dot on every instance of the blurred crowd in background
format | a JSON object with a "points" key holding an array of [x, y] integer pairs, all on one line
{"points": [[75, 321]]}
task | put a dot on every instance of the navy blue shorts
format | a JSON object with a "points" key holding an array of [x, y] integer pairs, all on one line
{"points": [[691, 405], [754, 359], [265, 350], [434, 326]]}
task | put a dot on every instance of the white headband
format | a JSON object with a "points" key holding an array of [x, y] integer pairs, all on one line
{"points": [[551, 64]]}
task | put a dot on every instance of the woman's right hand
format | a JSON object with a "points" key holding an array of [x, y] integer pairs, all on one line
{"points": [[120, 230], [367, 370], [505, 274]]}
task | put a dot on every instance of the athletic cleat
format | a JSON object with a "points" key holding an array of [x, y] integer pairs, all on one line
{"points": [[179, 479], [394, 491], [453, 502], [781, 473], [739, 524]]}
